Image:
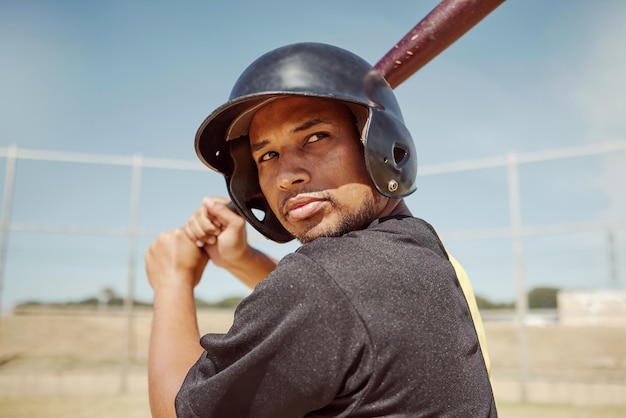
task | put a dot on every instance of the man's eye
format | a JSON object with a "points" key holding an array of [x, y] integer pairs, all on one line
{"points": [[268, 156], [316, 137]]}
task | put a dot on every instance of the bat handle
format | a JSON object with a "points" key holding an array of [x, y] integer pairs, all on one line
{"points": [[231, 205]]}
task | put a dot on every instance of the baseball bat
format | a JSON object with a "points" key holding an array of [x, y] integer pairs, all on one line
{"points": [[446, 23]]}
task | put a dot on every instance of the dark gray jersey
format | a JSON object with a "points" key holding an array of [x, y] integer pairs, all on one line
{"points": [[371, 324]]}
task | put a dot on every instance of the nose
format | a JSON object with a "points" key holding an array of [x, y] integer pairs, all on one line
{"points": [[292, 172]]}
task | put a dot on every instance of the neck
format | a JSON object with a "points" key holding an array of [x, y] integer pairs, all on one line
{"points": [[395, 207]]}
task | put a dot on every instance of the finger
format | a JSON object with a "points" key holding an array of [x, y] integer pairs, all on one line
{"points": [[192, 229], [200, 226], [219, 199], [192, 236], [220, 213]]}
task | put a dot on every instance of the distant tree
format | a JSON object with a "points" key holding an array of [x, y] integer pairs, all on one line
{"points": [[542, 297], [84, 302], [484, 303], [107, 294], [227, 303], [105, 297]]}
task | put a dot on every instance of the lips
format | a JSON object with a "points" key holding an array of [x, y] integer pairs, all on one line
{"points": [[301, 208]]}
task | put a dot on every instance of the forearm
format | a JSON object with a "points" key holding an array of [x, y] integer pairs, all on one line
{"points": [[253, 267], [174, 346]]}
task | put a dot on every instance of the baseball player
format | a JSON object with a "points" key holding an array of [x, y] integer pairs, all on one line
{"points": [[368, 318]]}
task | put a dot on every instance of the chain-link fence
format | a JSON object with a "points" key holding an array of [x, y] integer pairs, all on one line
{"points": [[74, 224]]}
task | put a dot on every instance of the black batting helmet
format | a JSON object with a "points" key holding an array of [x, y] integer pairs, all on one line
{"points": [[311, 70]]}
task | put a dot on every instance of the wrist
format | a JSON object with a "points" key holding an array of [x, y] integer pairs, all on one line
{"points": [[239, 260], [176, 287], [252, 266]]}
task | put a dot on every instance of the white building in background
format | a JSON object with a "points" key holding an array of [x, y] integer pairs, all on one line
{"points": [[592, 307]]}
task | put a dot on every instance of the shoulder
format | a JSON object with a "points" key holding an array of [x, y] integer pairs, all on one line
{"points": [[396, 240], [300, 284]]}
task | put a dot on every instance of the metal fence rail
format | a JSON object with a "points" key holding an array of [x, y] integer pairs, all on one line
{"points": [[137, 164]]}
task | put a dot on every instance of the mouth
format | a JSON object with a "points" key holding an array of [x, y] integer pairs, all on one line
{"points": [[301, 208]]}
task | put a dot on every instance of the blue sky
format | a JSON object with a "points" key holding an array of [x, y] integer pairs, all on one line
{"points": [[138, 77]]}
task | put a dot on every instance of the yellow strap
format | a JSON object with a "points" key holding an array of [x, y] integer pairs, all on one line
{"points": [[471, 301]]}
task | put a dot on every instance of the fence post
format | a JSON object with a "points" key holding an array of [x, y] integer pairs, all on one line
{"points": [[614, 280], [521, 305], [135, 190], [9, 181]]}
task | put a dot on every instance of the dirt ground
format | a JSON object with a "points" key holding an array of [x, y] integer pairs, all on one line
{"points": [[89, 364], [135, 406]]}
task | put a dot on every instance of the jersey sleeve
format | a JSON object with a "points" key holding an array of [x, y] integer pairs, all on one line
{"points": [[296, 344]]}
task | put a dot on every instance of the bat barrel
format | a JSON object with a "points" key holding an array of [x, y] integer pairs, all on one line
{"points": [[446, 23]]}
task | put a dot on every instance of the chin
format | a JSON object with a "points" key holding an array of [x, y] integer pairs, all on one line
{"points": [[334, 224], [307, 235]]}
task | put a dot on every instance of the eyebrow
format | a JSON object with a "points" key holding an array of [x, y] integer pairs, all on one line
{"points": [[303, 127], [258, 145], [310, 123]]}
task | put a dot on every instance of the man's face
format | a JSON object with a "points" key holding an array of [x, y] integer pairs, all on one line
{"points": [[311, 167]]}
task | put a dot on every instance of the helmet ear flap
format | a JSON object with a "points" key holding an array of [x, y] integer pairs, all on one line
{"points": [[245, 192], [390, 155]]}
